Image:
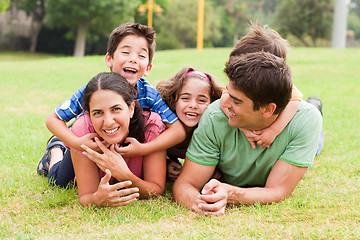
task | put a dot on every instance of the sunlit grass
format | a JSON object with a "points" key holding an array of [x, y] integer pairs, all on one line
{"points": [[325, 204]]}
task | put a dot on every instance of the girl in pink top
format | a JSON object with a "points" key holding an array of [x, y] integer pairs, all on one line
{"points": [[105, 178]]}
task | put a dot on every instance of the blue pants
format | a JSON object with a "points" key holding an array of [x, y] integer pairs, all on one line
{"points": [[62, 173], [321, 143]]}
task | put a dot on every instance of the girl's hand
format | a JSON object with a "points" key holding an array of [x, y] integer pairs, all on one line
{"points": [[116, 195], [109, 159], [251, 136], [134, 148], [173, 170]]}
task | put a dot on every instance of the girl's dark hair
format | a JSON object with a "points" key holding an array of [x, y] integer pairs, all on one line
{"points": [[169, 89], [117, 83]]}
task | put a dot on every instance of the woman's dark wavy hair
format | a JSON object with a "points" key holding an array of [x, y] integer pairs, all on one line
{"points": [[117, 83]]}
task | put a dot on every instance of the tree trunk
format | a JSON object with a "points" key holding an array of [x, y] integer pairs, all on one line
{"points": [[80, 44], [35, 30]]}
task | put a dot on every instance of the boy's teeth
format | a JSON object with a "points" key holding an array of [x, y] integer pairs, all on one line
{"points": [[130, 69]]}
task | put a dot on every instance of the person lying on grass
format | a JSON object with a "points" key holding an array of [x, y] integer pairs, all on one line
{"points": [[107, 178], [259, 89], [187, 94]]}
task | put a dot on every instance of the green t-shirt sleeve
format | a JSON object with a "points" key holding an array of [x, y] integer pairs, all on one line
{"points": [[305, 133], [203, 147]]}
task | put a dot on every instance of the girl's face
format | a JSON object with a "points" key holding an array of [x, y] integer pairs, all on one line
{"points": [[110, 115], [192, 101]]}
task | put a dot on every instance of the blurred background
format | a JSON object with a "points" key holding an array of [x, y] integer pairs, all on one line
{"points": [[82, 27]]}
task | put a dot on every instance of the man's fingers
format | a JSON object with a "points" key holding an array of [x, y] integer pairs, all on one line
{"points": [[209, 186], [213, 207]]}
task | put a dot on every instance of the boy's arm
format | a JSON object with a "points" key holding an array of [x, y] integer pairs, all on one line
{"points": [[267, 135], [59, 129], [170, 137]]}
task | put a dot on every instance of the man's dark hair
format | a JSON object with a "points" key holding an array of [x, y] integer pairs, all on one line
{"points": [[262, 77]]}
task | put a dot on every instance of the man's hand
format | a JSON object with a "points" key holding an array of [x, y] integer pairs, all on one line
{"points": [[213, 198], [116, 195]]}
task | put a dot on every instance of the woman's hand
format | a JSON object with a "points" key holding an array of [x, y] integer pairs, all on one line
{"points": [[116, 195], [109, 159]]}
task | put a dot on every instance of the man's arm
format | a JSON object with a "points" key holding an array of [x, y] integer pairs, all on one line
{"points": [[281, 182], [193, 177]]}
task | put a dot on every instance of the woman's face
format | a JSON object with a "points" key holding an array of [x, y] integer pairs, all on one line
{"points": [[193, 99], [110, 115]]}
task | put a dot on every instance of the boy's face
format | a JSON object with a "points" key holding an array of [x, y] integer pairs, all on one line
{"points": [[131, 59]]}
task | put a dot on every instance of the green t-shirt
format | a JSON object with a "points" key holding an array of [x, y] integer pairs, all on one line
{"points": [[216, 143]]}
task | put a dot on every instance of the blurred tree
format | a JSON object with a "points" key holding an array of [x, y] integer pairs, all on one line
{"points": [[4, 5], [36, 10], [82, 15], [305, 18], [177, 26], [237, 12], [354, 18]]}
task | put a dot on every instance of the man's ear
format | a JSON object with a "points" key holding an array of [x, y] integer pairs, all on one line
{"points": [[108, 60], [268, 110], [147, 70]]}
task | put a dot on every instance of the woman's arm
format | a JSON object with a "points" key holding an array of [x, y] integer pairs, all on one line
{"points": [[96, 192], [154, 169]]}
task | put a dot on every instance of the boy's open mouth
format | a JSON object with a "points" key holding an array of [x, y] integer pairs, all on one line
{"points": [[130, 70]]}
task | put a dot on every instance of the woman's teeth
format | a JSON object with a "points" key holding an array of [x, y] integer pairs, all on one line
{"points": [[111, 131]]}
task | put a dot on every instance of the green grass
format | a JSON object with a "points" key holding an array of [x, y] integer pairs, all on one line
{"points": [[325, 205]]}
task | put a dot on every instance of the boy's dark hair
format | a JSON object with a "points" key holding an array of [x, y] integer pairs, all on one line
{"points": [[170, 89], [262, 77], [261, 39], [117, 83], [132, 28]]}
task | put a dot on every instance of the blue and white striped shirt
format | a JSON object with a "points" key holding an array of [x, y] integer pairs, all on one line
{"points": [[148, 97]]}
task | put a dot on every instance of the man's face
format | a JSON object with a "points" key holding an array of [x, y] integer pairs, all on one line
{"points": [[131, 59], [239, 109]]}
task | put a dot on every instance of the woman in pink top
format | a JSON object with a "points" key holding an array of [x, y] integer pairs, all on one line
{"points": [[105, 178]]}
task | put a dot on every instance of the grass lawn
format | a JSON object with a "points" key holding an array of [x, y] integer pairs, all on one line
{"points": [[325, 204]]}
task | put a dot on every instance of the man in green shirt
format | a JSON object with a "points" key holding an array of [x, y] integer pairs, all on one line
{"points": [[259, 89]]}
